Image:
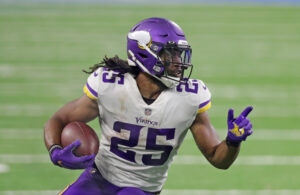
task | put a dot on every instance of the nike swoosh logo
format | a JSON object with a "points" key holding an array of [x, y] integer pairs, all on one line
{"points": [[204, 87], [95, 74]]}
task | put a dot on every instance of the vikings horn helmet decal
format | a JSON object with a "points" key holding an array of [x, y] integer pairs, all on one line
{"points": [[148, 39]]}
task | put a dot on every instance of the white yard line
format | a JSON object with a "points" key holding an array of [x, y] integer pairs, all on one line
{"points": [[256, 92], [282, 111], [4, 168], [241, 160], [21, 134], [24, 158], [178, 160], [179, 192], [230, 192], [217, 111], [259, 134], [29, 71], [262, 134], [34, 72], [30, 192], [282, 93]]}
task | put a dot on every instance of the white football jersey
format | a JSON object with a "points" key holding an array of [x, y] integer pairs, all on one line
{"points": [[139, 141]]}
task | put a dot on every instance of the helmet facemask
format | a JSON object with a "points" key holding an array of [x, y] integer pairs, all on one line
{"points": [[176, 62]]}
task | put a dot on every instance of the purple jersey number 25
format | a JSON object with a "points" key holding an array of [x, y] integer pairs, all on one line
{"points": [[191, 88], [112, 78], [126, 144]]}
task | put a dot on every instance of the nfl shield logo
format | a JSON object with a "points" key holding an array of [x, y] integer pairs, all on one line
{"points": [[148, 111]]}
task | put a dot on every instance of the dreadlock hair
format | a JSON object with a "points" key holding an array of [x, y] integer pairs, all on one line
{"points": [[114, 63]]}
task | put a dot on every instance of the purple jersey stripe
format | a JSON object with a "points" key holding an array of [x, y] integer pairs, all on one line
{"points": [[204, 104], [91, 90]]}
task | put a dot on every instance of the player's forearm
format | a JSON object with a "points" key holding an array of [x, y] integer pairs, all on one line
{"points": [[52, 131], [224, 155]]}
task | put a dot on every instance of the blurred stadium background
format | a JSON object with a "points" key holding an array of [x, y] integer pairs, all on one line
{"points": [[247, 52]]}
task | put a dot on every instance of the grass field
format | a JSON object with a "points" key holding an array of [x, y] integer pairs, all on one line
{"points": [[245, 55]]}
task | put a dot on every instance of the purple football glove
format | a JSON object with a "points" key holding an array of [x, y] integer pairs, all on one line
{"points": [[239, 128], [64, 157]]}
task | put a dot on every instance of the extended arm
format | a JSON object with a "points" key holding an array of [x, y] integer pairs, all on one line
{"points": [[221, 154], [83, 109]]}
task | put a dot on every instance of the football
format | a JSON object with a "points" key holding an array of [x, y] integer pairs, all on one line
{"points": [[80, 131]]}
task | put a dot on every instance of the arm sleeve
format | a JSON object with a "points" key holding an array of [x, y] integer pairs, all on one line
{"points": [[92, 85], [205, 98]]}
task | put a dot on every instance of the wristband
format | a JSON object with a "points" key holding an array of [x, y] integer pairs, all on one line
{"points": [[233, 144], [53, 147]]}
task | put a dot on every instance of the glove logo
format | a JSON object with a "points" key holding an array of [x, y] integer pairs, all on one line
{"points": [[59, 163], [236, 131]]}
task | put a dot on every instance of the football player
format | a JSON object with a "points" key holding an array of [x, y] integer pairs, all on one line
{"points": [[145, 107]]}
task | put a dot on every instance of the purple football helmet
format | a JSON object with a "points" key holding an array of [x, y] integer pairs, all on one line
{"points": [[146, 42]]}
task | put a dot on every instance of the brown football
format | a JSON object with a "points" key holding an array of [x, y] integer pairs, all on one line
{"points": [[80, 131]]}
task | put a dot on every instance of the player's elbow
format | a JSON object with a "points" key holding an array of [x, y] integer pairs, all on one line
{"points": [[222, 163], [223, 166]]}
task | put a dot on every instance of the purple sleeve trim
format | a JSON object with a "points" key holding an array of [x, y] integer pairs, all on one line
{"points": [[204, 104], [91, 90]]}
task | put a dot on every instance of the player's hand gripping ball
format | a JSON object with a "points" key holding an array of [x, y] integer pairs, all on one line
{"points": [[80, 145], [239, 128]]}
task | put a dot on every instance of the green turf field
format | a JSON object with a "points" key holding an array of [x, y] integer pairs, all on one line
{"points": [[245, 55]]}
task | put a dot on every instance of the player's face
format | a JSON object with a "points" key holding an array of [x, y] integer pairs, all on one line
{"points": [[172, 63]]}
